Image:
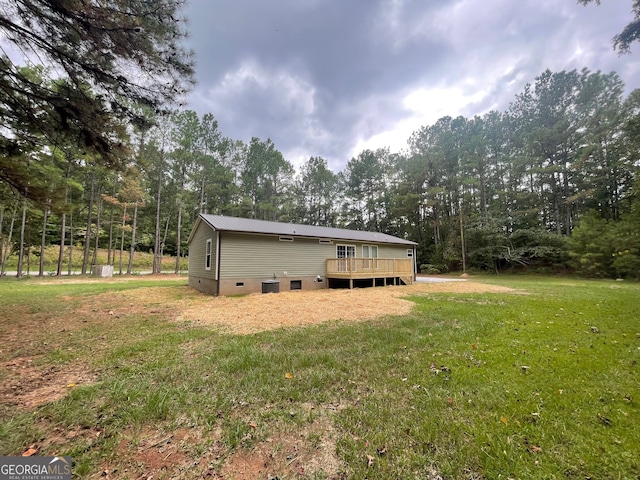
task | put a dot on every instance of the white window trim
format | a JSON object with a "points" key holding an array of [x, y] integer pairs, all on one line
{"points": [[286, 239], [409, 252], [208, 254]]}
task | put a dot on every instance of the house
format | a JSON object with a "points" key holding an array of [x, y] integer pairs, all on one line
{"points": [[230, 256]]}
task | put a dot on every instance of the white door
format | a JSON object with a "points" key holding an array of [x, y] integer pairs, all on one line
{"points": [[369, 254], [345, 252]]}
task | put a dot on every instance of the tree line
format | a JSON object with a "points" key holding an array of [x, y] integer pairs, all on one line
{"points": [[550, 182]]}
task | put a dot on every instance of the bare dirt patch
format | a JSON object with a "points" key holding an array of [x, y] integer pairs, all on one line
{"points": [[259, 312], [308, 451], [152, 454], [25, 381], [28, 386], [56, 439], [303, 451], [284, 456], [163, 301]]}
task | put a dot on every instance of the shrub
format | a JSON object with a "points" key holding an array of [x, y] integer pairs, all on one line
{"points": [[429, 268]]}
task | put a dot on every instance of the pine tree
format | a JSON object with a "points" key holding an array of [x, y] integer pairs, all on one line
{"points": [[106, 58]]}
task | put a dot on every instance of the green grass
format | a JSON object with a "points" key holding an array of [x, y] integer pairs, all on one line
{"points": [[141, 260], [542, 384]]}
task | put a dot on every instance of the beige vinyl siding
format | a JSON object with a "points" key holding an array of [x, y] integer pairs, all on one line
{"points": [[393, 251], [262, 256], [197, 252], [246, 256], [396, 251]]}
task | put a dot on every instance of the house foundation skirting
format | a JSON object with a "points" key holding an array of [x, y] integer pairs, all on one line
{"points": [[204, 285], [243, 286]]}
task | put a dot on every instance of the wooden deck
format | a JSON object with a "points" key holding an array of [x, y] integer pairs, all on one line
{"points": [[393, 270]]}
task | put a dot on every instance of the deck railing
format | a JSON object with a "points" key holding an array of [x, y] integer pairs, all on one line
{"points": [[369, 267]]}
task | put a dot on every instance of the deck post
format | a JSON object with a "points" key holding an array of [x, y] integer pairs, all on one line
{"points": [[351, 284]]}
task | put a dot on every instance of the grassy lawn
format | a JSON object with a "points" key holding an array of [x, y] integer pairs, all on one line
{"points": [[142, 261], [539, 383]]}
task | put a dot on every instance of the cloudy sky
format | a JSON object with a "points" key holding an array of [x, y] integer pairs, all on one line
{"points": [[332, 77]]}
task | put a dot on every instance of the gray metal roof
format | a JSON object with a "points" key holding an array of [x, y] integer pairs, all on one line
{"points": [[247, 225]]}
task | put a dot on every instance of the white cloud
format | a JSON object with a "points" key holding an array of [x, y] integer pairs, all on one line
{"points": [[286, 92], [424, 106]]}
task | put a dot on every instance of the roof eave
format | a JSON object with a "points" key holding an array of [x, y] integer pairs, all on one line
{"points": [[400, 241]]}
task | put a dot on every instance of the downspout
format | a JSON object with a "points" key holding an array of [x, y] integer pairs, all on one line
{"points": [[415, 264]]}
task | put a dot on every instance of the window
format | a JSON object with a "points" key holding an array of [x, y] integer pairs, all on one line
{"points": [[286, 239], [207, 255], [409, 252], [345, 251], [295, 285]]}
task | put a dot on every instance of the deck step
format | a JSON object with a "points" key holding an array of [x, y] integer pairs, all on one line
{"points": [[406, 280]]}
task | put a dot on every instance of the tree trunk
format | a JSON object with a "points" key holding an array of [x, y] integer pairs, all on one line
{"points": [[164, 238], [43, 240], [464, 255], [87, 237], [124, 217], [110, 260], [133, 238], [436, 226], [179, 239], [568, 206], [70, 267], [183, 174], [7, 247], [483, 196], [202, 198], [21, 248], [61, 253], [94, 259], [28, 260], [157, 256], [556, 214], [1, 236]]}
